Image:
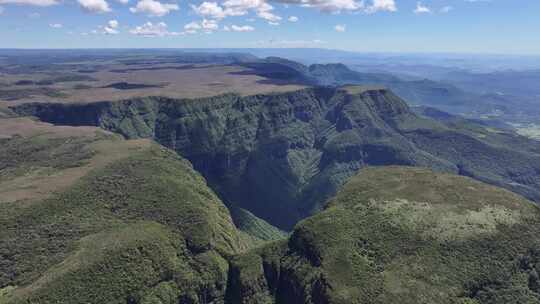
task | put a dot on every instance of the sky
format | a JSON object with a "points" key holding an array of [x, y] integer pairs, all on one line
{"points": [[456, 26]]}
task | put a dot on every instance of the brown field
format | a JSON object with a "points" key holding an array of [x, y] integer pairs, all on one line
{"points": [[172, 80], [23, 183], [28, 127]]}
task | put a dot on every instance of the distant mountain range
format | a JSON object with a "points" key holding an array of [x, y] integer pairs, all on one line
{"points": [[451, 96]]}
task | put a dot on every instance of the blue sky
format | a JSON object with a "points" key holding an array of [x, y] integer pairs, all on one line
{"points": [[468, 26]]}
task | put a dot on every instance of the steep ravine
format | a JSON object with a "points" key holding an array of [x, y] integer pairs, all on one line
{"points": [[281, 156]]}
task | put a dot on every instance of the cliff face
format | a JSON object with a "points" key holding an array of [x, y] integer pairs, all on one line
{"points": [[281, 156]]}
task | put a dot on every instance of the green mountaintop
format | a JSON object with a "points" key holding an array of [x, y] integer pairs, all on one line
{"points": [[139, 226], [402, 235]]}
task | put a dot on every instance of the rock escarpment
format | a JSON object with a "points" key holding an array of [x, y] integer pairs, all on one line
{"points": [[281, 156]]}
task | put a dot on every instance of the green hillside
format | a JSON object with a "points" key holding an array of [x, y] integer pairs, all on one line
{"points": [[402, 235], [139, 226]]}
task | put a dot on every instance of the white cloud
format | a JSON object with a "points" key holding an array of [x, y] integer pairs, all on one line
{"points": [[329, 6], [123, 1], [421, 9], [30, 2], [337, 6], [446, 9], [243, 28], [226, 28], [340, 28], [381, 5], [206, 25], [1, 10], [154, 8], [209, 25], [265, 12], [210, 10], [150, 29], [192, 27], [111, 28], [56, 25], [213, 10], [33, 15], [95, 6], [241, 7], [113, 23], [110, 31]]}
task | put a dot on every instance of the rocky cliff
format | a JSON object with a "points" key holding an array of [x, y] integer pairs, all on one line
{"points": [[281, 156]]}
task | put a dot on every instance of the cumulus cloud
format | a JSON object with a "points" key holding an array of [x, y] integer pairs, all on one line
{"points": [[213, 10], [337, 6], [95, 6], [192, 27], [421, 9], [113, 24], [210, 10], [209, 25], [154, 8], [56, 25], [334, 6], [30, 2], [206, 25], [241, 7], [381, 5], [265, 12], [111, 28], [150, 29], [340, 28], [243, 28]]}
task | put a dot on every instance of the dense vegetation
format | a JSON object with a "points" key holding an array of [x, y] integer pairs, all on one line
{"points": [[142, 229], [146, 229], [281, 156], [402, 235]]}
